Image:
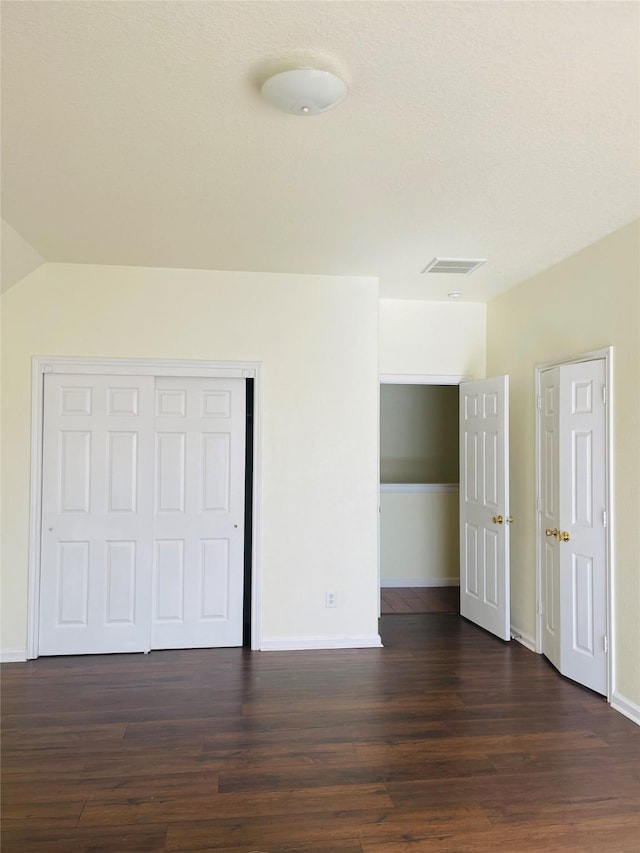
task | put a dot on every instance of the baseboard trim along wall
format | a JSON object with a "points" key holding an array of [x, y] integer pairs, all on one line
{"points": [[409, 582], [522, 638], [290, 644], [627, 707], [13, 655]]}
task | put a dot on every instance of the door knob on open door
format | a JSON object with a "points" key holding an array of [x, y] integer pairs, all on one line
{"points": [[555, 532], [564, 536], [510, 520], [497, 519]]}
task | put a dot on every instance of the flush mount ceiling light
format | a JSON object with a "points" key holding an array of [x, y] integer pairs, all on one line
{"points": [[304, 91], [455, 294]]}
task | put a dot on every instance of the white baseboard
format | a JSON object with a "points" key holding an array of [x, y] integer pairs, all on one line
{"points": [[13, 655], [520, 637], [627, 707], [281, 644], [418, 582]]}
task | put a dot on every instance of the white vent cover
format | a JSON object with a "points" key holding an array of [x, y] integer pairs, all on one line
{"points": [[459, 266]]}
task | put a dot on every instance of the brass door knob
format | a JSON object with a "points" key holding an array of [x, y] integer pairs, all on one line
{"points": [[564, 536], [510, 520], [497, 519], [555, 532]]}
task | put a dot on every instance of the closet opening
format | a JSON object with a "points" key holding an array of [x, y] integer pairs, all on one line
{"points": [[419, 506]]}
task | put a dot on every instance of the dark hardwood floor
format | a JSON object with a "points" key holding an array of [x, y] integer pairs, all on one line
{"points": [[430, 599], [445, 740]]}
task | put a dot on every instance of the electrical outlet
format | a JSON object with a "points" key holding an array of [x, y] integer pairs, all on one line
{"points": [[331, 599]]}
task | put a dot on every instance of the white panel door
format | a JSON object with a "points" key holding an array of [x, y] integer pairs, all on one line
{"points": [[484, 504], [582, 545], [549, 460], [96, 514], [198, 548]]}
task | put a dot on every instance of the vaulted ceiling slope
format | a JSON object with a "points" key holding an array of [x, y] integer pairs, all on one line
{"points": [[134, 133]]}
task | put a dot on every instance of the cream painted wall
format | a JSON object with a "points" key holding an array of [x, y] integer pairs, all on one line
{"points": [[436, 338], [317, 338], [419, 537], [418, 434], [588, 301]]}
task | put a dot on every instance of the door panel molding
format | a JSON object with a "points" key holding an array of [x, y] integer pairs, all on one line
{"points": [[605, 354], [42, 365]]}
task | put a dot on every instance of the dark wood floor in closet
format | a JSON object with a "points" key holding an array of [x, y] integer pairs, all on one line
{"points": [[445, 740], [434, 599]]}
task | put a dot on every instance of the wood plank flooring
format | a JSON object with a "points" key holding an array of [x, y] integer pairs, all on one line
{"points": [[445, 740], [435, 599]]}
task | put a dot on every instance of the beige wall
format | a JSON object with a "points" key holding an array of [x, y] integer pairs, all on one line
{"points": [[588, 301], [317, 338], [419, 538], [436, 338], [418, 434]]}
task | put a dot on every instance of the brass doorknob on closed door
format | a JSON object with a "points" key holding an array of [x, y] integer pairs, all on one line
{"points": [[497, 519], [564, 536]]}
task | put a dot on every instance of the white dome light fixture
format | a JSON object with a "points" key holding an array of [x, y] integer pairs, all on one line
{"points": [[304, 91]]}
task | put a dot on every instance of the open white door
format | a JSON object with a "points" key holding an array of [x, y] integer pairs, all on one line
{"points": [[573, 509], [484, 504]]}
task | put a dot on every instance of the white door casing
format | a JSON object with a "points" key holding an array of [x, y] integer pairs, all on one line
{"points": [[81, 373], [96, 514], [575, 533], [198, 559], [484, 504]]}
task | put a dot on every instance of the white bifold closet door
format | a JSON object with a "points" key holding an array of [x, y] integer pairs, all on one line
{"points": [[142, 513]]}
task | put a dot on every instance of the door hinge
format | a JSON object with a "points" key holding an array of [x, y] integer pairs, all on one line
{"points": [[605, 644], [604, 518], [539, 608], [539, 505], [539, 402], [604, 393]]}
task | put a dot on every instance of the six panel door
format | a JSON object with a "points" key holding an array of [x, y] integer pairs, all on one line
{"points": [[198, 548], [484, 504], [583, 583], [573, 502], [550, 494], [96, 514]]}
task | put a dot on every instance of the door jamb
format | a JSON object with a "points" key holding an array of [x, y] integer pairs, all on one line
{"points": [[606, 354], [135, 367]]}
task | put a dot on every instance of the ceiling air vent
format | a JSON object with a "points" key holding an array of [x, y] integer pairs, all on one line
{"points": [[459, 266]]}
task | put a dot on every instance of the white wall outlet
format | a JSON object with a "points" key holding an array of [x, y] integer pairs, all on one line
{"points": [[331, 599]]}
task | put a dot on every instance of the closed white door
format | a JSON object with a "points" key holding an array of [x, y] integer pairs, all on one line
{"points": [[573, 529], [198, 548], [550, 513], [142, 514], [484, 504], [96, 514]]}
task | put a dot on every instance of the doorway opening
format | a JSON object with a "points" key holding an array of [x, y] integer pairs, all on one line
{"points": [[419, 565]]}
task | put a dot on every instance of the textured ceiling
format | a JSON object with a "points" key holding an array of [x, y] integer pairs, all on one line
{"points": [[134, 133]]}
